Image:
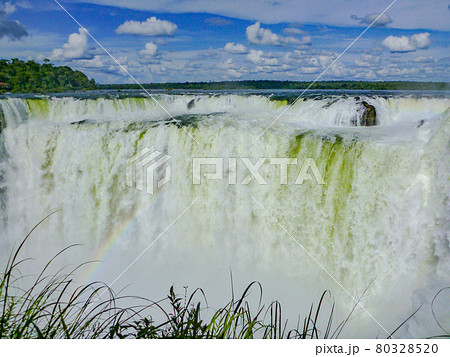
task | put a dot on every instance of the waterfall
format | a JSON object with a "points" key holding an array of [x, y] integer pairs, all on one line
{"points": [[380, 220]]}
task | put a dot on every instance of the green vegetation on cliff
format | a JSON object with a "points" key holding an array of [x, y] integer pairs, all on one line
{"points": [[31, 77]]}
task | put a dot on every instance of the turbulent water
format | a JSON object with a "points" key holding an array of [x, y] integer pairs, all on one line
{"points": [[379, 223]]}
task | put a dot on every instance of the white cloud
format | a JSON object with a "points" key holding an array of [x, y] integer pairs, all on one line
{"points": [[235, 48], [151, 27], [271, 69], [232, 69], [95, 62], [76, 48], [257, 35], [339, 69], [318, 59], [370, 75], [326, 60], [234, 73], [309, 70], [305, 40], [114, 68], [393, 70], [398, 44], [229, 63], [367, 60], [380, 21], [424, 59], [257, 57], [293, 31], [411, 14], [421, 40], [261, 36], [150, 50], [407, 44], [7, 7]]}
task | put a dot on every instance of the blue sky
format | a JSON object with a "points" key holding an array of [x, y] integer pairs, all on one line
{"points": [[199, 40]]}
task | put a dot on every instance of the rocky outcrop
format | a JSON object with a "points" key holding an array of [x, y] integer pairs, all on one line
{"points": [[421, 123], [2, 120], [367, 112], [369, 116], [191, 104]]}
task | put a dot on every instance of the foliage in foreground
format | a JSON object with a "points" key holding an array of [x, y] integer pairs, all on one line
{"points": [[54, 307]]}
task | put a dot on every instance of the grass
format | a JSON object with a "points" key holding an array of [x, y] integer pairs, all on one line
{"points": [[53, 306]]}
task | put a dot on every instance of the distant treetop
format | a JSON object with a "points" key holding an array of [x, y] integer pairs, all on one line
{"points": [[269, 84], [18, 76]]}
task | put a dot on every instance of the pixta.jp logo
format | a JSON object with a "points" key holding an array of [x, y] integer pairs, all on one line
{"points": [[145, 170]]}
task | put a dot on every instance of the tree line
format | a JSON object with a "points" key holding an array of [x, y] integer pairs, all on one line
{"points": [[268, 84], [18, 76]]}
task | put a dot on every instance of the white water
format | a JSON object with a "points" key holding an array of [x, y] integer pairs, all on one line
{"points": [[382, 216]]}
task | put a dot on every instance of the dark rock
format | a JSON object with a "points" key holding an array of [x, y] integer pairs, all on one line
{"points": [[191, 104], [83, 121], [421, 123], [369, 115], [2, 120]]}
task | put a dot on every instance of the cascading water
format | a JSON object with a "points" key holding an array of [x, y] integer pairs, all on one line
{"points": [[380, 221]]}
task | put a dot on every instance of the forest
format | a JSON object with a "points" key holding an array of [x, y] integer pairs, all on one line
{"points": [[18, 76]]}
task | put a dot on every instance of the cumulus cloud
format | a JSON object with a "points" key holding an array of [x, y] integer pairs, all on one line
{"points": [[261, 36], [151, 27], [339, 69], [95, 62], [257, 57], [150, 50], [76, 48], [234, 73], [209, 54], [232, 70], [14, 30], [367, 60], [393, 70], [7, 7], [293, 31], [113, 68], [424, 59], [257, 35], [407, 44], [309, 70], [421, 40], [229, 63], [235, 48], [310, 59], [382, 21]]}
